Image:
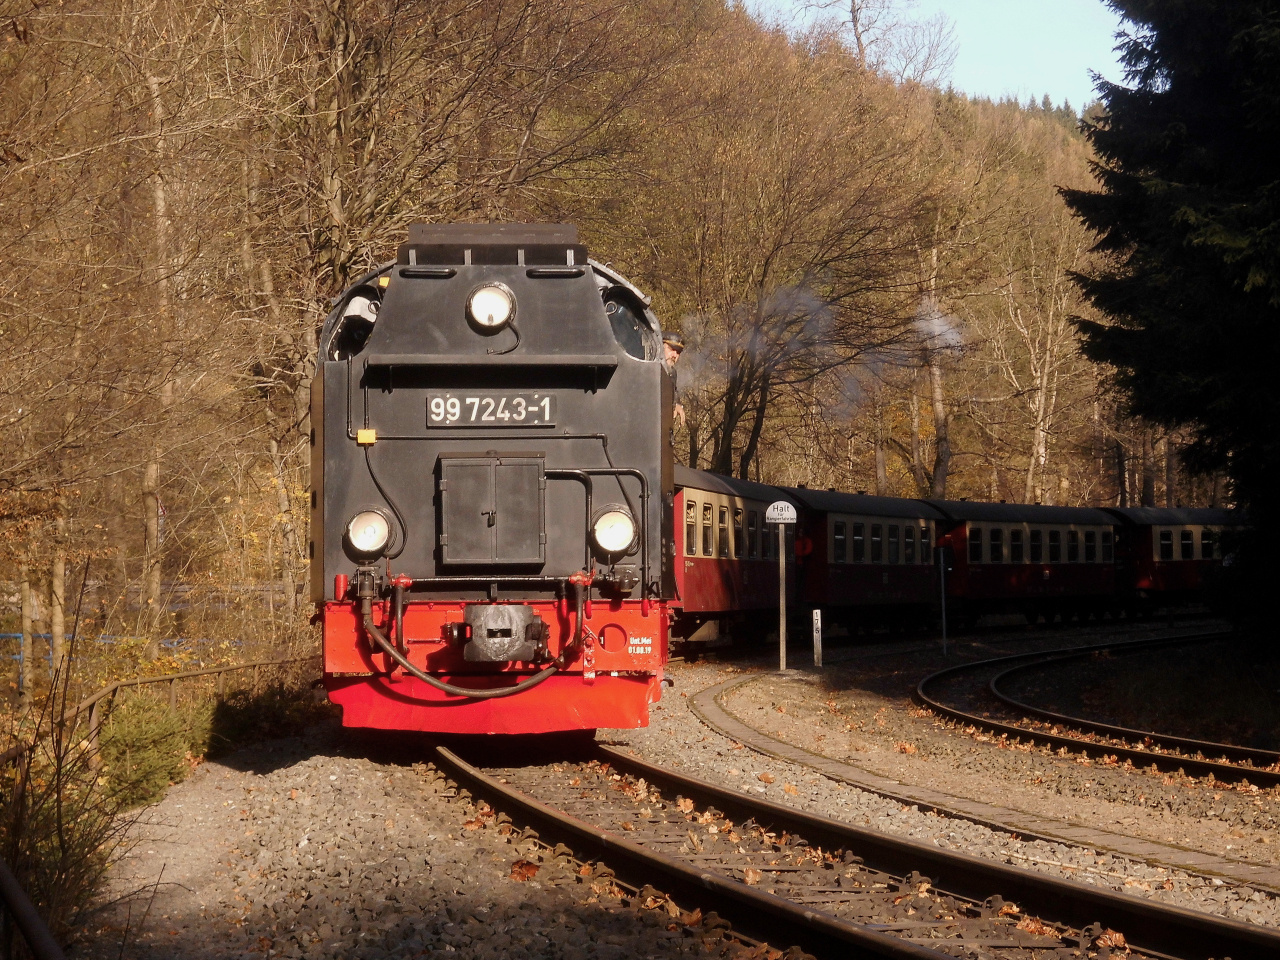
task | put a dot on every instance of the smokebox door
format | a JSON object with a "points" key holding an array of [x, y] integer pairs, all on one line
{"points": [[493, 509]]}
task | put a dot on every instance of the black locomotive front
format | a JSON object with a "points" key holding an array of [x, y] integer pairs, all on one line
{"points": [[491, 476]]}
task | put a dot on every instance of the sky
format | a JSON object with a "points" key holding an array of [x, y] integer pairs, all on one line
{"points": [[1021, 48]]}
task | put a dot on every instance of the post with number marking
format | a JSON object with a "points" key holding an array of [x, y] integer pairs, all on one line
{"points": [[781, 512], [817, 638]]}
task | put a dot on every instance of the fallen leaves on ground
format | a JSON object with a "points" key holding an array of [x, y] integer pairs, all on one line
{"points": [[766, 777], [790, 788], [751, 875], [904, 747], [1036, 926], [523, 870], [685, 805]]}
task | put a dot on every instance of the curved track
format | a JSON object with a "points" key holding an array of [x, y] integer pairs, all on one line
{"points": [[792, 878], [941, 690]]}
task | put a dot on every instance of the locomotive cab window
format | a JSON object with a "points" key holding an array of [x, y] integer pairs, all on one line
{"points": [[839, 552], [739, 548], [908, 544], [1073, 546], [997, 545], [975, 544], [1055, 546], [708, 547], [877, 543], [1188, 545], [1108, 547], [690, 529], [1206, 544], [753, 534], [1090, 546], [859, 542], [1015, 546], [631, 324], [1166, 544]]}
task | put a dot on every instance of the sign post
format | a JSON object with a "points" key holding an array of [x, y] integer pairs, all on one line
{"points": [[781, 512], [817, 638]]}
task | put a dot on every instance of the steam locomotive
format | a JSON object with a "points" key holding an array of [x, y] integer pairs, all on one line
{"points": [[492, 488], [501, 542]]}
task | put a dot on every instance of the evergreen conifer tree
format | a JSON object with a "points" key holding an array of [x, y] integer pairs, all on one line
{"points": [[1188, 215]]}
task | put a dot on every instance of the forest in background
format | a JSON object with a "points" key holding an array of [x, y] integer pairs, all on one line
{"points": [[872, 272]]}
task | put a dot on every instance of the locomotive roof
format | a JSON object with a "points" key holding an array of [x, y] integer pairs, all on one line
{"points": [[716, 483], [831, 501], [1021, 513], [1176, 516]]}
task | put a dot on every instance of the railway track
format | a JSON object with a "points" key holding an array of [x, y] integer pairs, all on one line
{"points": [[787, 877], [974, 694]]}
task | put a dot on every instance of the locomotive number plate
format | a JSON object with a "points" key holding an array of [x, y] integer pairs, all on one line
{"points": [[492, 408]]}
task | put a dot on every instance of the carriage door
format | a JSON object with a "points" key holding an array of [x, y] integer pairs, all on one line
{"points": [[492, 509]]}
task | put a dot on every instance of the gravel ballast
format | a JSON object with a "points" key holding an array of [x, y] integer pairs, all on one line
{"points": [[297, 850], [676, 738]]}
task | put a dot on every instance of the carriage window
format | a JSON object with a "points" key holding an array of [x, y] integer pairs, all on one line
{"points": [[1015, 546], [1166, 544], [926, 554], [753, 535], [859, 542], [997, 545], [975, 544], [1188, 545], [707, 535], [1037, 546], [908, 544], [893, 543], [739, 548], [1108, 547], [690, 528], [877, 543], [1206, 544], [1073, 546], [1090, 546], [722, 528], [839, 543], [1055, 546]]}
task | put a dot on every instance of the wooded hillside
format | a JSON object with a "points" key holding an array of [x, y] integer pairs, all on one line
{"points": [[872, 273]]}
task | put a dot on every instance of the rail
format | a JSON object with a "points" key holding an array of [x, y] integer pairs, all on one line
{"points": [[13, 898]]}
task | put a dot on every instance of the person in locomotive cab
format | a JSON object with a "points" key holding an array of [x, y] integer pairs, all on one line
{"points": [[672, 347]]}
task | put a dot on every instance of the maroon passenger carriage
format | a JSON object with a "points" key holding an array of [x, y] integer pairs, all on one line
{"points": [[1037, 560], [870, 561], [1167, 555], [726, 562]]}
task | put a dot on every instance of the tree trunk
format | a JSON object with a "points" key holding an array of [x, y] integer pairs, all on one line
{"points": [[289, 536], [27, 670], [151, 556], [58, 593], [1122, 477], [753, 442], [941, 432], [882, 468], [1170, 473], [1148, 470], [918, 472]]}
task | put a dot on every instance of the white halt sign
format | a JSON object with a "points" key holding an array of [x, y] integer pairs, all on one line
{"points": [[780, 511]]}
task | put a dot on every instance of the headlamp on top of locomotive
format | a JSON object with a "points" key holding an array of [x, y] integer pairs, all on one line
{"points": [[491, 306], [492, 493]]}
